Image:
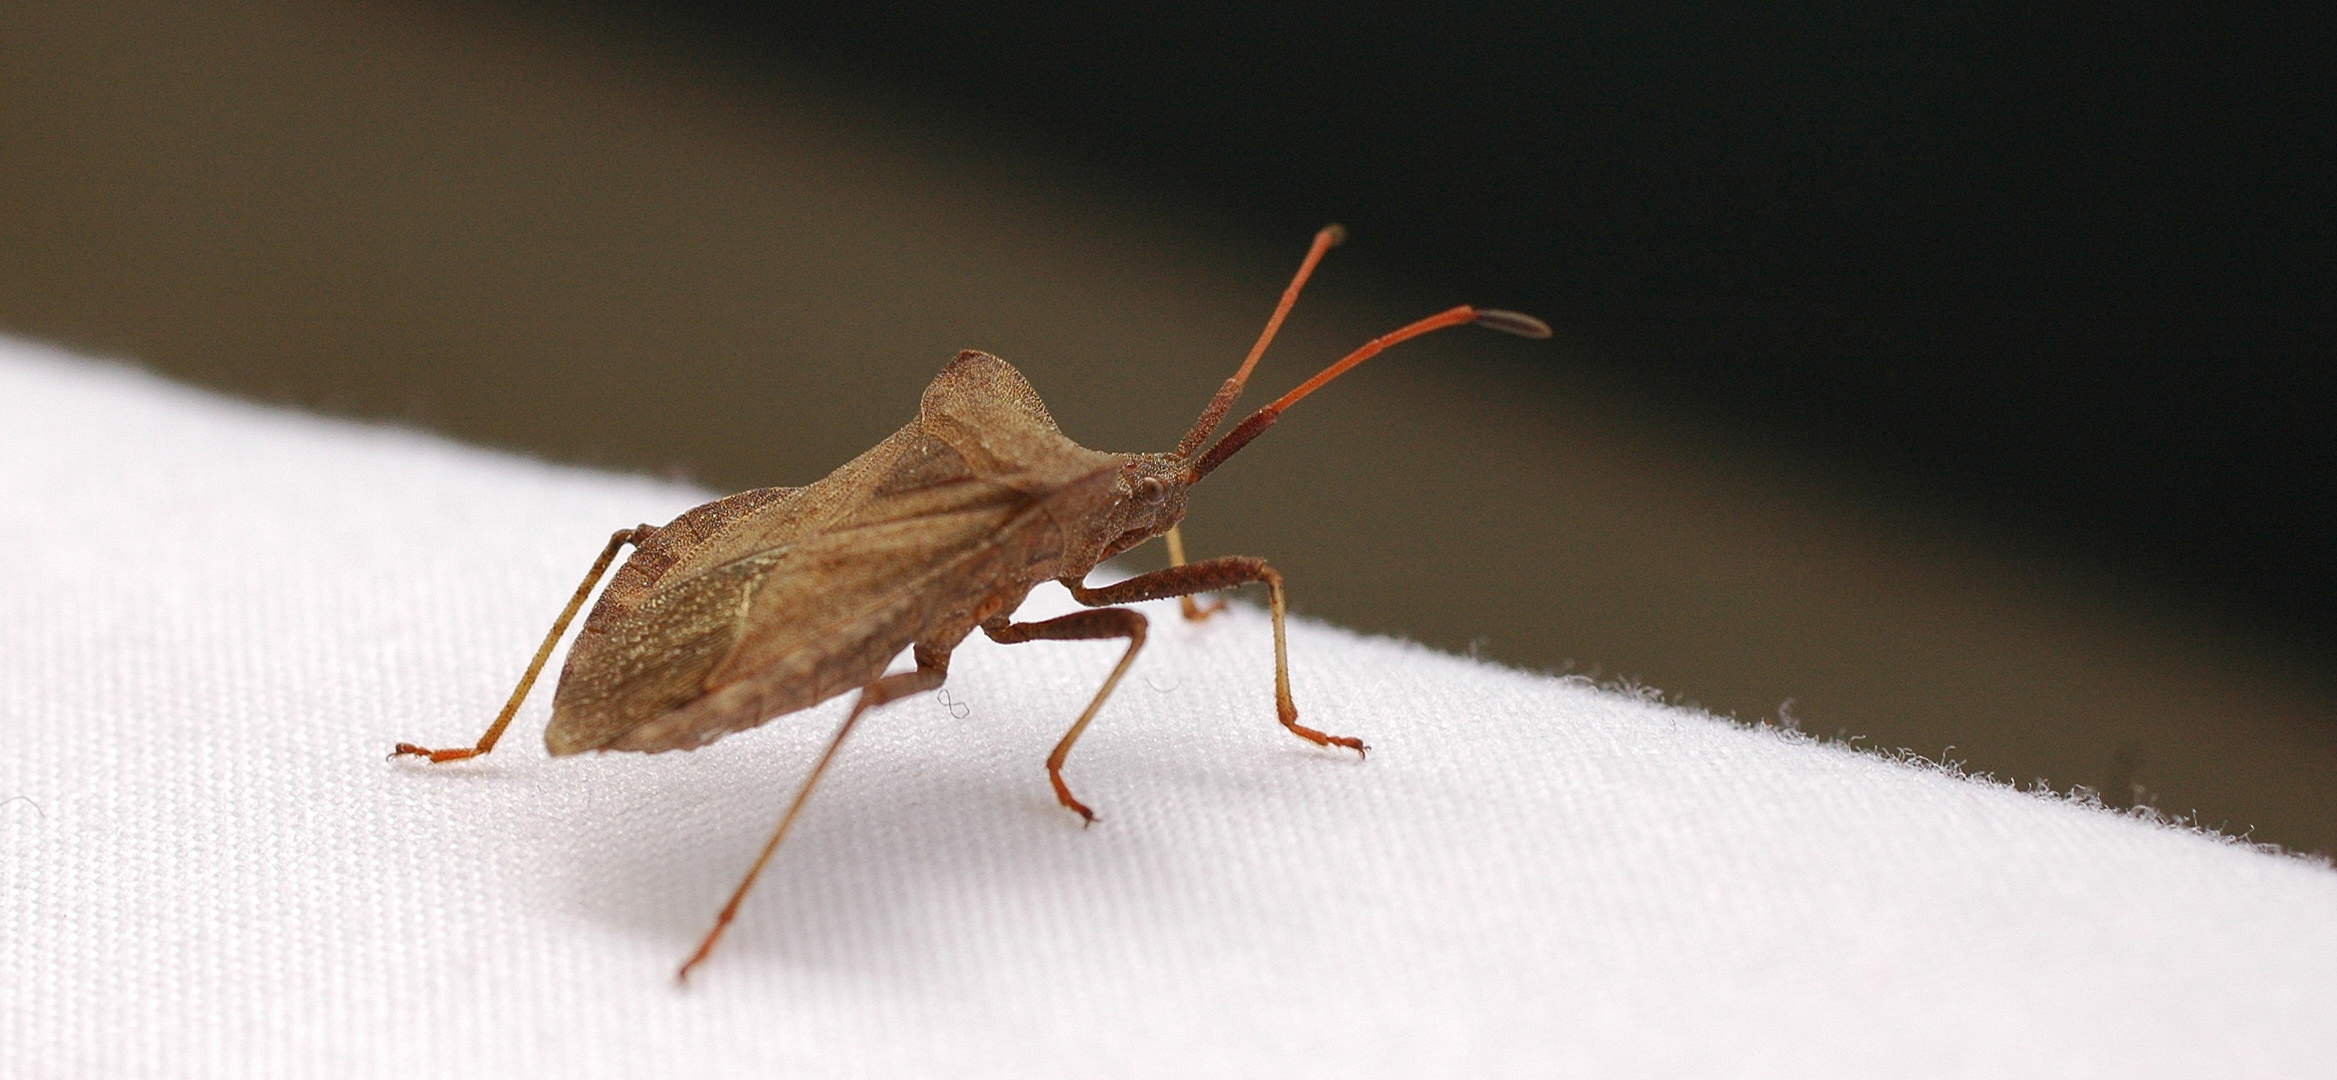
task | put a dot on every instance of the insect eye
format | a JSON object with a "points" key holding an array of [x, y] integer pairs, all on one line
{"points": [[1150, 489]]}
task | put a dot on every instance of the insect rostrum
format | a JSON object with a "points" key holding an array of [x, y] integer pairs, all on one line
{"points": [[776, 599]]}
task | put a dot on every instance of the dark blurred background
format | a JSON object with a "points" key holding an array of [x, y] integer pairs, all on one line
{"points": [[1948, 377]]}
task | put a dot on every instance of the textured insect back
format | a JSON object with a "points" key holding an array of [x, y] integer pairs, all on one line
{"points": [[987, 412]]}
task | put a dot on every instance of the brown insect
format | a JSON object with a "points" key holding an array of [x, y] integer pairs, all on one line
{"points": [[776, 599]]}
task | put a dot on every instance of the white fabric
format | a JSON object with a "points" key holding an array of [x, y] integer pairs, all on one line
{"points": [[218, 617]]}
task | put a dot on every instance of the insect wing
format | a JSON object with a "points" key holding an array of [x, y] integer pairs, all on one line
{"points": [[864, 563], [888, 575]]}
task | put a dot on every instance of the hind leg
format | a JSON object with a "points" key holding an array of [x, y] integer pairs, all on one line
{"points": [[633, 536]]}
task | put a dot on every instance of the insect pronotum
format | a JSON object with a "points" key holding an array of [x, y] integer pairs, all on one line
{"points": [[776, 599]]}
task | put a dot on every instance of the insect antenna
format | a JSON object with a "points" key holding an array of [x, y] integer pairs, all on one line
{"points": [[1257, 422], [1328, 238]]}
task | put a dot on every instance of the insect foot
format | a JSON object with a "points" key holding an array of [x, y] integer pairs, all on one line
{"points": [[407, 749], [1063, 795], [1289, 713]]}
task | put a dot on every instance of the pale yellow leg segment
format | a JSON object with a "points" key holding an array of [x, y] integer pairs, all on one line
{"points": [[543, 652]]}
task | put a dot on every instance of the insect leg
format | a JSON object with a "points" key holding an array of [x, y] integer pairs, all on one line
{"points": [[1077, 626], [932, 668], [622, 537], [1206, 576], [1194, 612]]}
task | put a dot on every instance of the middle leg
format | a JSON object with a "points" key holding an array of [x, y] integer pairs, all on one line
{"points": [[1077, 626], [932, 668]]}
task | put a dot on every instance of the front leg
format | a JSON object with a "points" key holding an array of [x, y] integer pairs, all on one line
{"points": [[1194, 612], [1206, 576]]}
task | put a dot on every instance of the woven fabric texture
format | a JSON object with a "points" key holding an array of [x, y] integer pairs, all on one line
{"points": [[219, 617]]}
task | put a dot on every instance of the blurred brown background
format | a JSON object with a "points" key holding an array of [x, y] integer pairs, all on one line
{"points": [[1863, 413]]}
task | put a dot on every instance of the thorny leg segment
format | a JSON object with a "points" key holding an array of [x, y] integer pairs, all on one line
{"points": [[1077, 626], [932, 668], [634, 536], [1207, 576]]}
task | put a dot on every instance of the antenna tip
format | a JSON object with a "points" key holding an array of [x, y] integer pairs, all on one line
{"points": [[1334, 233], [1513, 322]]}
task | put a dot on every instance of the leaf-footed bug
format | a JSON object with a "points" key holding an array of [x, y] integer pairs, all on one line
{"points": [[776, 599]]}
